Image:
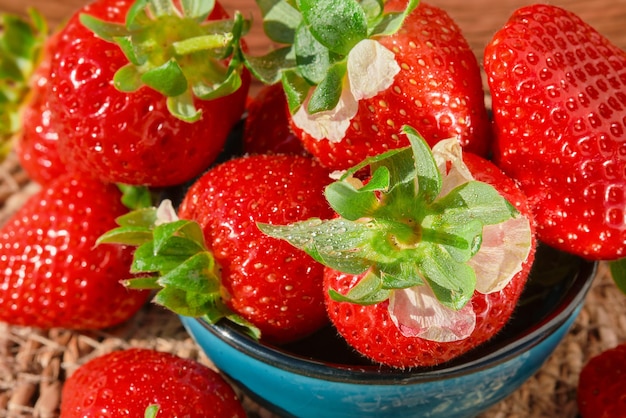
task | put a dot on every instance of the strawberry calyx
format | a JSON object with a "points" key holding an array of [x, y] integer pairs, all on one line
{"points": [[423, 233], [172, 258], [176, 51], [329, 58], [21, 44]]}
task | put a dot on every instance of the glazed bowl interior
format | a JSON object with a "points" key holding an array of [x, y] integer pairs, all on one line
{"points": [[557, 286]]}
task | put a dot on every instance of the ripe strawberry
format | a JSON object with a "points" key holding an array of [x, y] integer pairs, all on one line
{"points": [[249, 276], [112, 113], [559, 100], [266, 127], [365, 82], [36, 146], [51, 274], [601, 386], [430, 258], [127, 382]]}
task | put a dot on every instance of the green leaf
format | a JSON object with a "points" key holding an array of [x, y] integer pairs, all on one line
{"points": [[474, 200], [368, 291], [168, 79], [151, 411], [313, 59], [280, 20], [105, 30], [197, 9], [183, 107], [618, 273], [136, 197], [296, 90], [146, 260], [328, 92], [355, 203], [196, 275], [127, 79], [268, 68], [336, 24], [452, 283], [337, 243], [401, 275], [143, 217], [390, 23], [126, 235], [428, 175], [189, 232]]}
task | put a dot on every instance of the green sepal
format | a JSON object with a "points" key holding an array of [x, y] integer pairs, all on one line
{"points": [[618, 273], [368, 291], [318, 35], [336, 24], [151, 411], [197, 9], [280, 20], [328, 92], [136, 197], [296, 89], [176, 51], [353, 203], [171, 257], [265, 68], [313, 60], [453, 283], [399, 228], [337, 243], [167, 79], [390, 23]]}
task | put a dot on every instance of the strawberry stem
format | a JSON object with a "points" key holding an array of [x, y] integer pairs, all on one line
{"points": [[400, 229], [316, 38], [172, 257], [176, 52]]}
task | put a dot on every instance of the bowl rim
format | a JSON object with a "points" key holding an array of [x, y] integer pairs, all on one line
{"points": [[385, 375]]}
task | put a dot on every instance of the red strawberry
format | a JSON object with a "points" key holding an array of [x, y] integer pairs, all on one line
{"points": [[51, 274], [36, 147], [350, 102], [411, 279], [267, 128], [113, 117], [559, 103], [127, 382], [263, 280], [602, 385]]}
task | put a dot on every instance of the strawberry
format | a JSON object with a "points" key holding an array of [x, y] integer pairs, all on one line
{"points": [[601, 385], [133, 381], [360, 73], [559, 102], [240, 273], [52, 276], [266, 128], [36, 147], [427, 258], [135, 114]]}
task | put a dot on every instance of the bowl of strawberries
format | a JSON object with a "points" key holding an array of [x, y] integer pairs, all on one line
{"points": [[323, 376]]}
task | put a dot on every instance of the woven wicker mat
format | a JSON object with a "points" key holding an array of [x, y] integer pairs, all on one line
{"points": [[34, 363]]}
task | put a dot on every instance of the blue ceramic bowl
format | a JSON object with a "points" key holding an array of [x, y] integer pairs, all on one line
{"points": [[321, 377]]}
